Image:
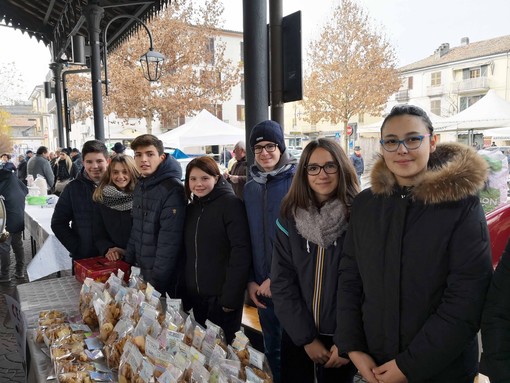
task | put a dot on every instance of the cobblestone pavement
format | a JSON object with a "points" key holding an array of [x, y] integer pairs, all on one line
{"points": [[11, 369]]}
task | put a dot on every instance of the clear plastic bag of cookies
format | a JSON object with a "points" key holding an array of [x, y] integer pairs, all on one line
{"points": [[114, 345]]}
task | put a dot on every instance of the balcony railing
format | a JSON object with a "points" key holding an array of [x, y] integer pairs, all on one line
{"points": [[436, 90], [472, 84], [402, 95]]}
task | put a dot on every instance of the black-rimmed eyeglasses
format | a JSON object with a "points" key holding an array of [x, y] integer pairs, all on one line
{"points": [[257, 149], [410, 143], [314, 169]]}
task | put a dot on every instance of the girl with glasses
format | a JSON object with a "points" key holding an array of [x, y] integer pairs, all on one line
{"points": [[304, 274], [416, 261]]}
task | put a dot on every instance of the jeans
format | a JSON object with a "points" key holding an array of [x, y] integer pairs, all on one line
{"points": [[19, 251], [5, 257], [272, 333]]}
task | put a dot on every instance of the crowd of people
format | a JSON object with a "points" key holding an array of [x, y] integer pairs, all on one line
{"points": [[390, 282]]}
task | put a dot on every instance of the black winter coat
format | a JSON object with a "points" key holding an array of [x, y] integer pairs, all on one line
{"points": [[111, 227], [304, 283], [218, 247], [416, 268], [13, 191], [495, 362], [156, 241], [75, 205]]}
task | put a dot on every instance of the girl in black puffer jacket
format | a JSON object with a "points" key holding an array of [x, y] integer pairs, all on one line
{"points": [[218, 247]]}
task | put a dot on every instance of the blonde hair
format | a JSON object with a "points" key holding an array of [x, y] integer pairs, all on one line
{"points": [[129, 163]]}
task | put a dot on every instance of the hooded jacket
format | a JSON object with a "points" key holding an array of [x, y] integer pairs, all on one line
{"points": [[495, 361], [218, 247], [416, 267], [156, 242], [13, 192], [75, 206], [263, 194], [304, 274]]}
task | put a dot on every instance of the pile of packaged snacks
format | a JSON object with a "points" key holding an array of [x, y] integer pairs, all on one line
{"points": [[139, 341]]}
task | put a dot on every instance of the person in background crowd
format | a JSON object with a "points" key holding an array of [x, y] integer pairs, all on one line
{"points": [[225, 157], [358, 163], [218, 249], [54, 158], [65, 171], [76, 158], [304, 273], [22, 169], [159, 210], [13, 193], [118, 148], [237, 176], [5, 161], [29, 154], [39, 164], [72, 218], [271, 176], [416, 261], [112, 211], [495, 360]]}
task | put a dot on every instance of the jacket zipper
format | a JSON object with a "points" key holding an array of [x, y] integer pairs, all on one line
{"points": [[196, 250]]}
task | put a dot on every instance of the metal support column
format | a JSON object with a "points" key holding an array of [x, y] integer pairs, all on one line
{"points": [[94, 14], [256, 66], [56, 68], [275, 28]]}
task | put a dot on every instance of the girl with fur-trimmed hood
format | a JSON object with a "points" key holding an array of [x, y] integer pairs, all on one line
{"points": [[416, 263], [306, 256]]}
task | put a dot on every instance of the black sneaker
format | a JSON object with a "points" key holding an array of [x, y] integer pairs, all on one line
{"points": [[19, 275]]}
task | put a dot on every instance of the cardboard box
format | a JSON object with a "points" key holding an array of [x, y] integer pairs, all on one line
{"points": [[99, 268]]}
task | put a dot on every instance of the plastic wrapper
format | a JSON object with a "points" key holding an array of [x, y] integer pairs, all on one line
{"points": [[114, 345], [89, 289], [130, 364]]}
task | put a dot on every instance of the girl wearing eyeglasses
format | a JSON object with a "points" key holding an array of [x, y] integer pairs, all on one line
{"points": [[304, 274], [416, 263]]}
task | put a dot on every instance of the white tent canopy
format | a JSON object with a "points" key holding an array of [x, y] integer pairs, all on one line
{"points": [[204, 129], [490, 112]]}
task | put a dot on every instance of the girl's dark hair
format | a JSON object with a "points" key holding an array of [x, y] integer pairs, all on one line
{"points": [[412, 110], [206, 164], [300, 193], [130, 165]]}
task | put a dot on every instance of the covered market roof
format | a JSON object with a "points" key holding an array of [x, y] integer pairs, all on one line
{"points": [[56, 21]]}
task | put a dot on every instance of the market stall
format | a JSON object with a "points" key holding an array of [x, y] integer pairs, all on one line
{"points": [[49, 255]]}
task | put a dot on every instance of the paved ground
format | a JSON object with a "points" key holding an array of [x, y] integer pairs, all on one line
{"points": [[11, 369]]}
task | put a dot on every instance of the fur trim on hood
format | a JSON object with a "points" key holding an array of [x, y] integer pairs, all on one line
{"points": [[455, 171]]}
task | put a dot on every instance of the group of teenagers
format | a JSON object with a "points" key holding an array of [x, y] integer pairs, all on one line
{"points": [[390, 281]]}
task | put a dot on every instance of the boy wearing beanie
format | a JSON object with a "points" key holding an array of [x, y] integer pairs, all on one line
{"points": [[271, 176]]}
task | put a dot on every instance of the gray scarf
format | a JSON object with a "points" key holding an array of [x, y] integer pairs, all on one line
{"points": [[117, 199], [322, 226]]}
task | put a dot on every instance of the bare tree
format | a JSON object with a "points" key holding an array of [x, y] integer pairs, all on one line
{"points": [[13, 86], [352, 68], [196, 74]]}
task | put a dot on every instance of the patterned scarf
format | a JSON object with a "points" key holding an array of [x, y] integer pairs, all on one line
{"points": [[117, 199]]}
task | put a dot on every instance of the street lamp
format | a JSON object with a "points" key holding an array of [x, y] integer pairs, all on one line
{"points": [[151, 61]]}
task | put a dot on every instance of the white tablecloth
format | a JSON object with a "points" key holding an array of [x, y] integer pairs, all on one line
{"points": [[53, 294], [52, 255]]}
